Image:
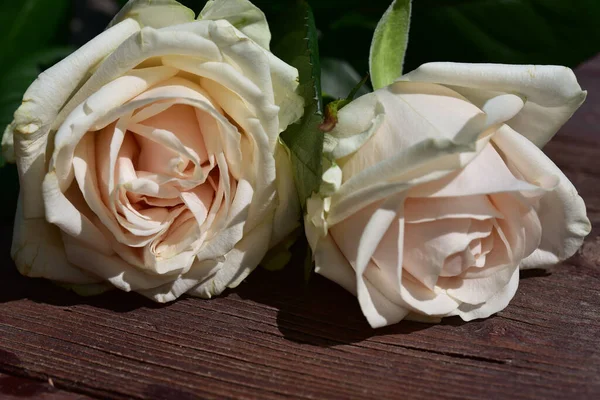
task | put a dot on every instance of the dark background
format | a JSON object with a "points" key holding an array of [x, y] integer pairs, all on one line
{"points": [[34, 34]]}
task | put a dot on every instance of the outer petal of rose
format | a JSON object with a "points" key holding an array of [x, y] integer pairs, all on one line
{"points": [[239, 262], [71, 221], [561, 212], [357, 122], [41, 104], [370, 229], [8, 144], [474, 179], [425, 301], [155, 13], [142, 45], [429, 146], [242, 14], [200, 271], [428, 161], [493, 305], [414, 112], [331, 263], [427, 209], [378, 309], [288, 211], [277, 84], [112, 268], [388, 273], [285, 84], [38, 251], [552, 93]]}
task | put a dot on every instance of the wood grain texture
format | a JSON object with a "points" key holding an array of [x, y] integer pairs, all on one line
{"points": [[275, 337], [15, 388]]}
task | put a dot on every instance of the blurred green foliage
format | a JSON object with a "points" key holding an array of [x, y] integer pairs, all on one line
{"points": [[33, 35]]}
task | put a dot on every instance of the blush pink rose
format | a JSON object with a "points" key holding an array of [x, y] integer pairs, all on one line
{"points": [[437, 192], [150, 160]]}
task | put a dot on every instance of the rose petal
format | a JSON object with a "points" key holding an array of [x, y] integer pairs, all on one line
{"points": [[38, 251], [62, 213], [242, 14], [478, 290], [425, 300], [333, 265], [552, 93], [431, 209], [427, 245], [157, 14], [112, 268], [144, 44], [288, 211], [41, 104], [474, 179], [494, 304], [238, 262], [561, 212], [417, 111]]}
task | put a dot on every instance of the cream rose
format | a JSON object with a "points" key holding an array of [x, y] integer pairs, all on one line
{"points": [[149, 159], [438, 192]]}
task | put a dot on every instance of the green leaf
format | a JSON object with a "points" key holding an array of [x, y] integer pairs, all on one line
{"points": [[389, 44], [27, 30], [560, 32], [297, 45], [28, 25]]}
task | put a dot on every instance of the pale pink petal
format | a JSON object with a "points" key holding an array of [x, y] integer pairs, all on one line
{"points": [[561, 212], [333, 265], [430, 209], [494, 304], [474, 179], [414, 112], [425, 300], [478, 290]]}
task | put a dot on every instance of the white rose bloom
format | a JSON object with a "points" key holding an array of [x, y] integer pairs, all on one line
{"points": [[438, 192], [149, 159]]}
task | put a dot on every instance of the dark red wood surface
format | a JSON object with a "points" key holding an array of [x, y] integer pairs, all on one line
{"points": [[275, 337]]}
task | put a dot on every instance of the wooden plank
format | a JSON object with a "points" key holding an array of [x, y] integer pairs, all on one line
{"points": [[276, 337], [15, 388]]}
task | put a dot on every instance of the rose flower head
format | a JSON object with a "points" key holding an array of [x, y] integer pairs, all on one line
{"points": [[437, 192], [149, 159]]}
